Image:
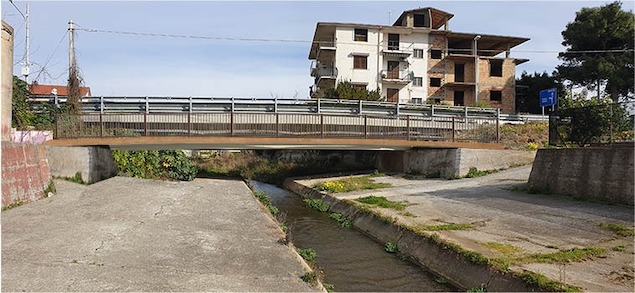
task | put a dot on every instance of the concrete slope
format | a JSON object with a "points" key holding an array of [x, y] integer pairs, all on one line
{"points": [[126, 234]]}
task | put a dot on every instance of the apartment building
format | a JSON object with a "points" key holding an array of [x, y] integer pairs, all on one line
{"points": [[416, 60]]}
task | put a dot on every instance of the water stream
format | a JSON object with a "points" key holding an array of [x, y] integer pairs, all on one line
{"points": [[351, 260]]}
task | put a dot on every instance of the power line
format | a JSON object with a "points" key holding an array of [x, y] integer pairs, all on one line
{"points": [[317, 42], [50, 56]]}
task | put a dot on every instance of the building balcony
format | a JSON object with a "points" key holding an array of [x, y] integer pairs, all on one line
{"points": [[325, 77], [325, 51], [394, 76], [397, 50]]}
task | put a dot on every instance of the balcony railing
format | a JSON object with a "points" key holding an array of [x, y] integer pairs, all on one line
{"points": [[398, 49], [325, 72], [401, 76]]}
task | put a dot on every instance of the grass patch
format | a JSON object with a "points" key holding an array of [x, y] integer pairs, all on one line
{"points": [[381, 201], [477, 289], [619, 248], [618, 229], [503, 248], [317, 204], [474, 173], [50, 188], [546, 284], [350, 184], [568, 255], [447, 227], [308, 254], [343, 221]]}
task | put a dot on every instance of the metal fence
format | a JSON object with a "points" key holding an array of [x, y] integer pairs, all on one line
{"points": [[592, 125], [450, 128]]}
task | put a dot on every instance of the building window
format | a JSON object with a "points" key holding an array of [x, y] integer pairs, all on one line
{"points": [[361, 35], [360, 62], [418, 53], [435, 54], [361, 86], [496, 67], [435, 82], [420, 20], [416, 100], [496, 96], [417, 81]]}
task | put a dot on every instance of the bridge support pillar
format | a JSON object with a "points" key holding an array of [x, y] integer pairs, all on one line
{"points": [[94, 163], [450, 163]]}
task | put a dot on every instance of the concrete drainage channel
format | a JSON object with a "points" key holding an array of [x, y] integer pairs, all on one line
{"points": [[433, 255]]}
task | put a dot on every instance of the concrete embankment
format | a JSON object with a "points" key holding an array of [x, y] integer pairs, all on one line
{"points": [[126, 234], [511, 241]]}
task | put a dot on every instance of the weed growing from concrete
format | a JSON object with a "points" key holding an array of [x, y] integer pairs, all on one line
{"points": [[311, 278], [308, 254], [618, 229], [407, 214], [441, 280], [381, 201], [343, 221], [545, 283], [50, 188], [350, 184], [264, 199], [564, 256], [16, 204], [503, 248], [316, 204], [75, 179], [391, 247], [619, 248], [473, 173]]}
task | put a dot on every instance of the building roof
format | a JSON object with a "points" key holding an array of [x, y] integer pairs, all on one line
{"points": [[439, 17], [60, 90]]}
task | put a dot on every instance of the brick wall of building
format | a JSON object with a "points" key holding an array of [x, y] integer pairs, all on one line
{"points": [[505, 84], [25, 172]]}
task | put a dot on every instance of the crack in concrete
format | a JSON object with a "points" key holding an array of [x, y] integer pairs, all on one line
{"points": [[159, 212]]}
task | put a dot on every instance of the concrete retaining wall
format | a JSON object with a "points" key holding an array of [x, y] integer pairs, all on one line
{"points": [[25, 173], [605, 174], [451, 163], [94, 163], [435, 257]]}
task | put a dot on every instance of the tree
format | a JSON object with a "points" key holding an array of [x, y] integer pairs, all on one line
{"points": [[600, 50], [21, 113], [528, 87], [347, 91]]}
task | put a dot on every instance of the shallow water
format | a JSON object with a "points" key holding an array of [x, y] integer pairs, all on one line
{"points": [[350, 260]]}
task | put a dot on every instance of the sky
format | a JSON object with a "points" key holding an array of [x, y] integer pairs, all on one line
{"points": [[115, 64]]}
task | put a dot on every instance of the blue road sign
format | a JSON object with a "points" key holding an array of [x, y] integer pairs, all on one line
{"points": [[548, 97]]}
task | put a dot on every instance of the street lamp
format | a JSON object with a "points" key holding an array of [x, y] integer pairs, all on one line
{"points": [[26, 64], [478, 37]]}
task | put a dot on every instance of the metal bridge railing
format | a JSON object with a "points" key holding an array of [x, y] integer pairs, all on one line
{"points": [[449, 128]]}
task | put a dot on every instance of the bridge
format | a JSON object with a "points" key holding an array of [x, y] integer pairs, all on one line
{"points": [[244, 130]]}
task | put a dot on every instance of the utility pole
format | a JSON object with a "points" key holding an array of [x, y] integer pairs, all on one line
{"points": [[26, 65], [71, 47], [26, 69]]}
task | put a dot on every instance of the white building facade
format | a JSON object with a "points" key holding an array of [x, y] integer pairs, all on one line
{"points": [[413, 61]]}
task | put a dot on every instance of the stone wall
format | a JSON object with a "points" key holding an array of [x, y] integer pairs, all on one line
{"points": [[450, 163], [93, 163], [25, 173], [605, 174]]}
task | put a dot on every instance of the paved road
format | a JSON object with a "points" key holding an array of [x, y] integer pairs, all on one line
{"points": [[127, 234], [533, 223]]}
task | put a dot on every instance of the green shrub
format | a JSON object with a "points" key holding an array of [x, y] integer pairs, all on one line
{"points": [[344, 222], [169, 164], [391, 247], [308, 254]]}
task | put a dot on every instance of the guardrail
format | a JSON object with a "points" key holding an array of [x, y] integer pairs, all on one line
{"points": [[273, 105], [476, 129]]}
